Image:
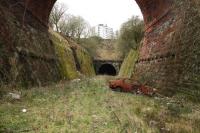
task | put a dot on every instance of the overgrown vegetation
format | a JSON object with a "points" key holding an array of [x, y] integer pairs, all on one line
{"points": [[103, 49], [91, 44], [128, 64], [85, 61], [57, 13], [89, 105], [131, 34], [67, 63], [186, 44], [69, 25], [72, 63], [3, 55]]}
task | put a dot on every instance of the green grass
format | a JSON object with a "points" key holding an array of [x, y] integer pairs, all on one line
{"points": [[89, 106]]}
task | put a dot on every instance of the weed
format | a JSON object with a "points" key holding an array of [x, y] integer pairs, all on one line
{"points": [[88, 105]]}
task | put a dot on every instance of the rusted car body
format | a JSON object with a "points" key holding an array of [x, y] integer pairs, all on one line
{"points": [[124, 85], [128, 85]]}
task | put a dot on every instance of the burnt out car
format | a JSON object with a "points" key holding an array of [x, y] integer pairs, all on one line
{"points": [[129, 85], [123, 85]]}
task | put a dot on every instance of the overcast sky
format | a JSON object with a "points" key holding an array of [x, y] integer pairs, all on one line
{"points": [[111, 12]]}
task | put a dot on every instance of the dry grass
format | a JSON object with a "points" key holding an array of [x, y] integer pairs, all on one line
{"points": [[89, 106]]}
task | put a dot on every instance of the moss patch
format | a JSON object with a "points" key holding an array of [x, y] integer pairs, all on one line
{"points": [[85, 62], [128, 65], [69, 61], [66, 59]]}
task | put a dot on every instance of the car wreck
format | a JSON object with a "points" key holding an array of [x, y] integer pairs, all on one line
{"points": [[129, 85]]}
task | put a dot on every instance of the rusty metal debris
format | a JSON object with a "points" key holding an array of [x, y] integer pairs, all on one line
{"points": [[128, 85]]}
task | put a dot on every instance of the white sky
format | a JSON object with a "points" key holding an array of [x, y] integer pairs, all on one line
{"points": [[110, 12]]}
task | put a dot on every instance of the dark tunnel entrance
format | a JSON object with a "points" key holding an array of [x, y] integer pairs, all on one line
{"points": [[107, 69]]}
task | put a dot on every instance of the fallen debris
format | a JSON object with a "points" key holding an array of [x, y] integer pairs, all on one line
{"points": [[15, 96], [24, 110]]}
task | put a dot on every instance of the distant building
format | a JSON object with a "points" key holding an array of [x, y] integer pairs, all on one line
{"points": [[104, 31]]}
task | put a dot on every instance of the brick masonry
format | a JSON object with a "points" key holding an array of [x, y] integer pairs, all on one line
{"points": [[169, 56], [40, 8], [27, 54]]}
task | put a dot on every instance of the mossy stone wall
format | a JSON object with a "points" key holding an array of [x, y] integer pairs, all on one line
{"points": [[85, 62], [67, 64], [128, 65], [29, 55]]}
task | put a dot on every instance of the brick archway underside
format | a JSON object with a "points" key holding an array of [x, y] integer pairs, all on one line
{"points": [[40, 8]]}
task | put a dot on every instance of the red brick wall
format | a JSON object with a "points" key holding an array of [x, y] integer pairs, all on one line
{"points": [[155, 66], [169, 59], [159, 25]]}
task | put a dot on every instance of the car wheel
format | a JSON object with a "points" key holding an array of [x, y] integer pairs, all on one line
{"points": [[118, 89]]}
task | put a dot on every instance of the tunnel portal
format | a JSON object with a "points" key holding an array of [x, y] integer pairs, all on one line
{"points": [[107, 69]]}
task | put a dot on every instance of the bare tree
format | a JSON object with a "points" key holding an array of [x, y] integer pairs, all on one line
{"points": [[64, 25], [57, 13], [73, 26], [81, 26], [88, 31]]}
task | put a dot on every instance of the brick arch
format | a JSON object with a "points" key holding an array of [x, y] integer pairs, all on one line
{"points": [[40, 8], [169, 54], [158, 16], [161, 61], [151, 10]]}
